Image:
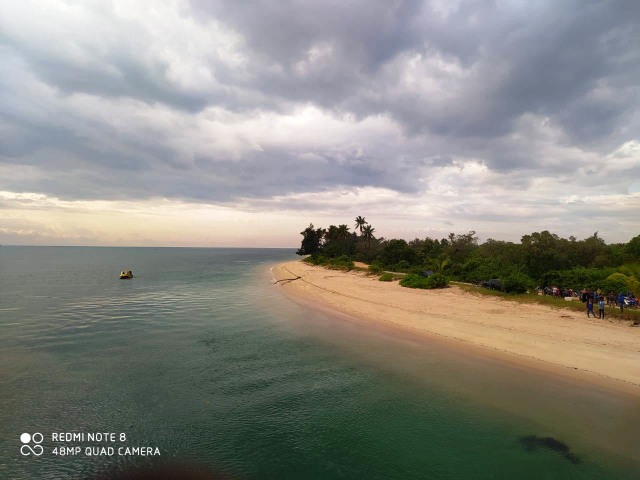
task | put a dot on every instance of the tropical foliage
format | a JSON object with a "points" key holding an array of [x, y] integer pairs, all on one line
{"points": [[418, 281], [539, 259], [338, 263]]}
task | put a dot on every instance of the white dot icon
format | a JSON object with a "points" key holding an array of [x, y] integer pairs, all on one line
{"points": [[25, 438]]}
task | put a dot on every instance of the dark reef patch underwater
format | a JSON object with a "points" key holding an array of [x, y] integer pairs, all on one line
{"points": [[532, 443]]}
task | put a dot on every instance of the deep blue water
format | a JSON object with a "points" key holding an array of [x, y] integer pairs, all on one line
{"points": [[201, 356]]}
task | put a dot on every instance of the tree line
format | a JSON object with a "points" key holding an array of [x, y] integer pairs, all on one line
{"points": [[539, 259]]}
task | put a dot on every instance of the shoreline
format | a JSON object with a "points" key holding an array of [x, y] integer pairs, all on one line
{"points": [[553, 341]]}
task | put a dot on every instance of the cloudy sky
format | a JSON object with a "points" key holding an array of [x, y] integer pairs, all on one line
{"points": [[218, 123]]}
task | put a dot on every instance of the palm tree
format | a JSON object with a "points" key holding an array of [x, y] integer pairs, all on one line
{"points": [[343, 232], [367, 234], [441, 265], [332, 233], [438, 280], [360, 223]]}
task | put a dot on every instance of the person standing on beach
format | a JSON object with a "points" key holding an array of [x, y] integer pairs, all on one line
{"points": [[590, 308], [621, 301], [601, 308]]}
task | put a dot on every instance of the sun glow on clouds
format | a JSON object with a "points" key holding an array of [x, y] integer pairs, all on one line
{"points": [[457, 202], [38, 219]]}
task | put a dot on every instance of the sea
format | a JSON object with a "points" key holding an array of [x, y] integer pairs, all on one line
{"points": [[201, 362]]}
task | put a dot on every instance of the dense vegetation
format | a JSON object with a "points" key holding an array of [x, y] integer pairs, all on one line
{"points": [[539, 259]]}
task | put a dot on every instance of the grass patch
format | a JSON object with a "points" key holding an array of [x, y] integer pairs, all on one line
{"points": [[386, 277]]}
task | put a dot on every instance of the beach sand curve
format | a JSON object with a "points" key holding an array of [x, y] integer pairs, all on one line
{"points": [[558, 340]]}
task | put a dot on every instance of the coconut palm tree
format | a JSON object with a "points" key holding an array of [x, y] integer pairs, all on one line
{"points": [[367, 234], [343, 232], [441, 265], [360, 223]]}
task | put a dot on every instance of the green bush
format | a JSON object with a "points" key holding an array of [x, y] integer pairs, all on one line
{"points": [[438, 281], [396, 251], [386, 277], [402, 266], [478, 269], [414, 281], [578, 277], [632, 271], [416, 269], [617, 282], [516, 282], [375, 268], [417, 281], [316, 259], [343, 262]]}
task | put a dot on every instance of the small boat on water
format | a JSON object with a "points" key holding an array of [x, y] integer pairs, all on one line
{"points": [[126, 274]]}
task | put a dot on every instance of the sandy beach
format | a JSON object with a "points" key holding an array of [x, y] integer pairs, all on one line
{"points": [[558, 340]]}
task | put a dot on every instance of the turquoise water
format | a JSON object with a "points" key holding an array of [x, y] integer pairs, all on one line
{"points": [[201, 356]]}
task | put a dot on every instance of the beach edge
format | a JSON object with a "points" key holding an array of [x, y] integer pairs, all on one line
{"points": [[359, 298]]}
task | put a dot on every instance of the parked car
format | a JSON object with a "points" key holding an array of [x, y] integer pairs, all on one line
{"points": [[493, 284]]}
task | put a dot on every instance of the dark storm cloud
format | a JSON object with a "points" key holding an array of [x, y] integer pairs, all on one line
{"points": [[485, 66], [128, 78], [573, 51], [548, 61], [367, 32], [527, 58], [260, 175]]}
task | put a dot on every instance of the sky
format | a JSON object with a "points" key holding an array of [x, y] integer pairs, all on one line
{"points": [[228, 123]]}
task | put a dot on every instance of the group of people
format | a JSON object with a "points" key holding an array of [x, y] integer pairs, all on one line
{"points": [[593, 297], [601, 304]]}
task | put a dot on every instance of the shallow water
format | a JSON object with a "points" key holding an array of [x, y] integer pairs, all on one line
{"points": [[202, 357]]}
